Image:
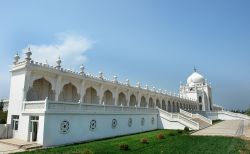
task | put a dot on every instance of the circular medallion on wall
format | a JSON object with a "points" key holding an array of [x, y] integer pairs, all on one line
{"points": [[92, 125], [153, 120], [114, 123], [130, 121], [142, 121], [64, 127]]}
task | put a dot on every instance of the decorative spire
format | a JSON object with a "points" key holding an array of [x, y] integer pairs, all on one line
{"points": [[101, 75], [138, 85], [146, 86], [16, 59], [58, 62], [115, 79], [127, 82], [28, 54], [154, 89], [195, 70], [82, 70]]}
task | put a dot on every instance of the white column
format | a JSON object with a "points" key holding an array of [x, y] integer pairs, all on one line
{"points": [[101, 94], [26, 84], [147, 100], [139, 99], [128, 97], [58, 87], [82, 91], [116, 96]]}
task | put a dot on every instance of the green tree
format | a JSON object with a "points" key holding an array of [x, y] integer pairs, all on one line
{"points": [[1, 105]]}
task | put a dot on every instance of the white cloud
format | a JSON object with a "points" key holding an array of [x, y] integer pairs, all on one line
{"points": [[70, 47]]}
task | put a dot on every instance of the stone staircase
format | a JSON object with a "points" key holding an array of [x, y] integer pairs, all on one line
{"points": [[174, 118], [203, 121], [202, 124]]}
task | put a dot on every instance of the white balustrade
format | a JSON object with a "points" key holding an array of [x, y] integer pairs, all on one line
{"points": [[54, 106], [180, 118]]}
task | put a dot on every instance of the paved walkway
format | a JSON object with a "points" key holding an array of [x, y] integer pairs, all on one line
{"points": [[235, 128], [5, 148], [12, 145]]}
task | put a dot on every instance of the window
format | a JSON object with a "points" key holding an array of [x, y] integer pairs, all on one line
{"points": [[200, 99], [34, 118], [15, 120]]}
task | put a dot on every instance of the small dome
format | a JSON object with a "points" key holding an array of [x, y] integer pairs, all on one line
{"points": [[195, 78]]}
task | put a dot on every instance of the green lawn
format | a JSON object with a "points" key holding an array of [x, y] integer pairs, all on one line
{"points": [[174, 142]]}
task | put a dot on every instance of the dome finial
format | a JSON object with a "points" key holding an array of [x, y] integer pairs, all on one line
{"points": [[195, 70]]}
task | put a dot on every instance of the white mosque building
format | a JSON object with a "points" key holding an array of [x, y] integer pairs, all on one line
{"points": [[50, 105]]}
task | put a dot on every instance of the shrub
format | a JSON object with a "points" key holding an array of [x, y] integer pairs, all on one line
{"points": [[179, 131], [186, 129], [144, 141], [124, 147], [171, 134], [3, 117], [160, 136]]}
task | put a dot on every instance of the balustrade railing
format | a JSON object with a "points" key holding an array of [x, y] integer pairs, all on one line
{"points": [[203, 118], [186, 113], [235, 114], [178, 117], [195, 116], [47, 105]]}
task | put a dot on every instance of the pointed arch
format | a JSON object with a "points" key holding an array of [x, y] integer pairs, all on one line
{"points": [[151, 103], [158, 104], [174, 107], [108, 98], [41, 88], [122, 99], [90, 96], [69, 93], [169, 106], [178, 107], [132, 101], [143, 102], [164, 107]]}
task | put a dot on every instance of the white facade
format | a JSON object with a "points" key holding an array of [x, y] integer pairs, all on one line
{"points": [[52, 106], [199, 90]]}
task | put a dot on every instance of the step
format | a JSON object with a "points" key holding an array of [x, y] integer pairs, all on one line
{"points": [[202, 124]]}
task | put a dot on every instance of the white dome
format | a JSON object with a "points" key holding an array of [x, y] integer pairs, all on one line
{"points": [[195, 78]]}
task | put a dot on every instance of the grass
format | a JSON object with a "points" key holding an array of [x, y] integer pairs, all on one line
{"points": [[174, 142]]}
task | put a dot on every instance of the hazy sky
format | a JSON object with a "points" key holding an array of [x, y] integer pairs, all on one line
{"points": [[157, 42]]}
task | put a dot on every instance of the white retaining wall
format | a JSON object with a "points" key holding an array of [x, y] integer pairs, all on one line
{"points": [[80, 127], [2, 131], [164, 123]]}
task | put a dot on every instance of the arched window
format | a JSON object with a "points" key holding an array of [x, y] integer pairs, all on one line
{"points": [[174, 107], [200, 99], [158, 104], [90, 96], [210, 103], [69, 93], [40, 89], [178, 107], [164, 105], [132, 101], [169, 106], [143, 102], [151, 103], [122, 99], [108, 98]]}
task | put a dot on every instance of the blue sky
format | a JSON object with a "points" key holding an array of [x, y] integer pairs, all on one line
{"points": [[154, 42]]}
